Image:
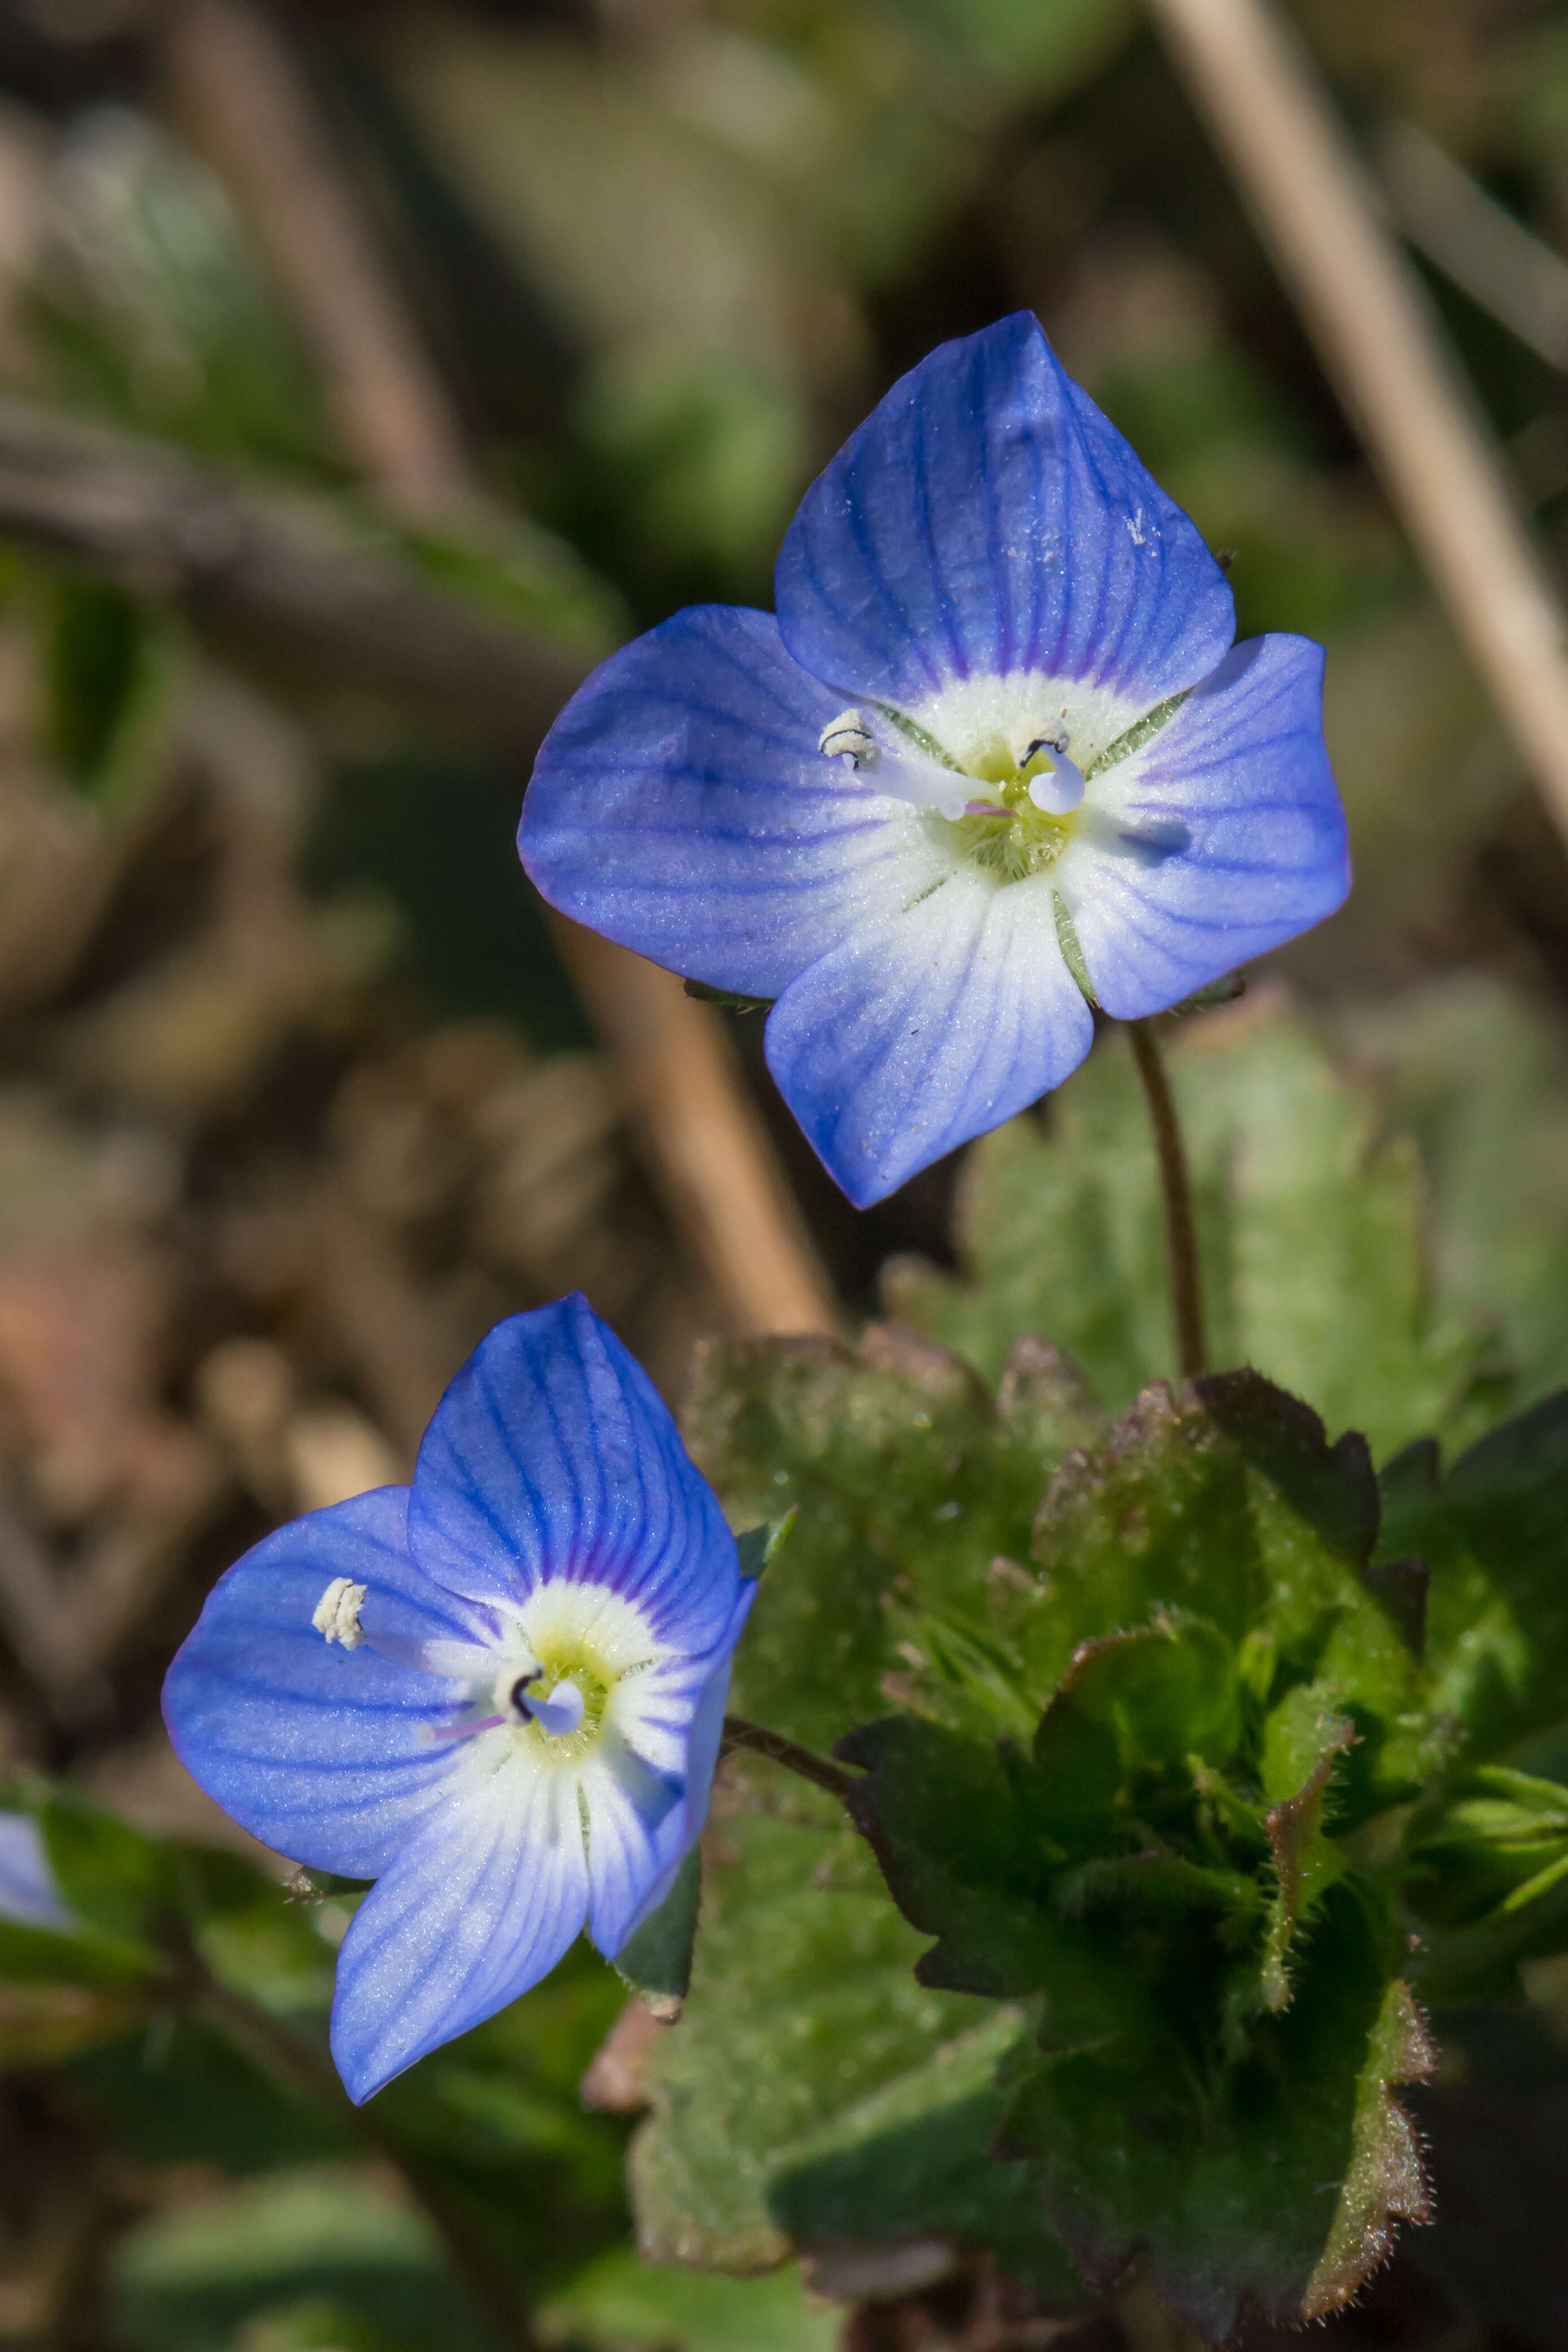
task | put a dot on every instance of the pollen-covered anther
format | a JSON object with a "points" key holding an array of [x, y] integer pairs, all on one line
{"points": [[336, 1615], [1030, 739], [846, 737]]}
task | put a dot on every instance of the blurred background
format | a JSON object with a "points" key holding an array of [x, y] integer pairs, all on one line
{"points": [[366, 372]]}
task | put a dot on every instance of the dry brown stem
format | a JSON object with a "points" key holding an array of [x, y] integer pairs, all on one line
{"points": [[238, 97], [1385, 353], [286, 576], [703, 1138], [248, 107]]}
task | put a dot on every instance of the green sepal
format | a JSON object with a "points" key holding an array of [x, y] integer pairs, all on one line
{"points": [[727, 998], [656, 1963], [1217, 993], [759, 1546]]}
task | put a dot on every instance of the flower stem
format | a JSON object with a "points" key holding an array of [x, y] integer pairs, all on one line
{"points": [[739, 1733], [1175, 1185]]}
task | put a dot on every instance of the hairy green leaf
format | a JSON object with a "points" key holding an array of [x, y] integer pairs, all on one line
{"points": [[1224, 1696], [1272, 2179], [814, 2094], [911, 1485]]}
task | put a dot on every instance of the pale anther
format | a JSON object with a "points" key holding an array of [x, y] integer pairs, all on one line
{"points": [[846, 737], [1031, 738], [337, 1613]]}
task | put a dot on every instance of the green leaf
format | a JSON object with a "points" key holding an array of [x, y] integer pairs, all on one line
{"points": [[115, 1879], [1494, 1535], [112, 668], [1164, 1868], [1384, 2180], [519, 572], [154, 311], [957, 1829], [1310, 1223], [1226, 1502], [1487, 1878], [1495, 1843], [1306, 1861], [619, 2301], [920, 2153], [814, 2093], [1272, 2181], [911, 1485], [186, 2278], [1477, 1072]]}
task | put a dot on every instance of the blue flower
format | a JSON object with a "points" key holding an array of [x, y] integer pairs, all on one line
{"points": [[28, 1895], [498, 1692], [995, 756]]}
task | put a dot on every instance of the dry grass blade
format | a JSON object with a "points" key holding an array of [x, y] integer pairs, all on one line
{"points": [[1386, 356], [249, 109]]}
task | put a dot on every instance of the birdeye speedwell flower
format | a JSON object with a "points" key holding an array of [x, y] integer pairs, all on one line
{"points": [[996, 757], [499, 1692]]}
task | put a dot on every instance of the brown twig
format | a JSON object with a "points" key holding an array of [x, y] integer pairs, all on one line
{"points": [[1384, 352], [329, 601], [248, 106], [739, 1733], [237, 93], [1176, 1192], [703, 1138]]}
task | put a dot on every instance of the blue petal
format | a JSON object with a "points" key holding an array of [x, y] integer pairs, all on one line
{"points": [[1220, 839], [321, 1752], [638, 1838], [478, 1909], [927, 1028], [553, 1455], [28, 1895], [680, 806], [987, 518]]}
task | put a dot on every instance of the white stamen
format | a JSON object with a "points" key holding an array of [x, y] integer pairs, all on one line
{"points": [[337, 1613], [562, 1712], [846, 737]]}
